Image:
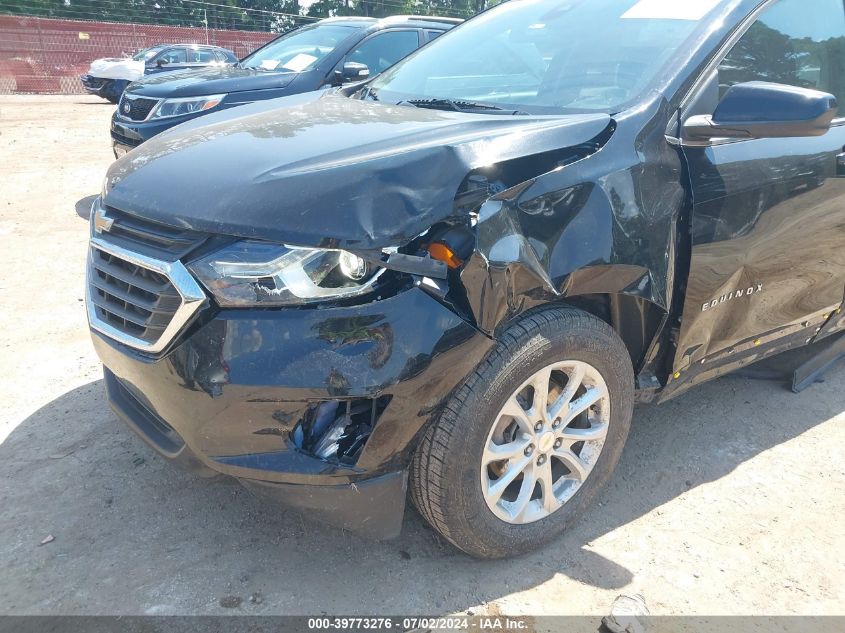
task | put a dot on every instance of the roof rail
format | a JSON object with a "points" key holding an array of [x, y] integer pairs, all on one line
{"points": [[426, 18], [349, 18]]}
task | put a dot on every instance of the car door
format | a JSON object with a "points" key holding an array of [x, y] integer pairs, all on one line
{"points": [[199, 57], [385, 48], [768, 219], [226, 57], [169, 59]]}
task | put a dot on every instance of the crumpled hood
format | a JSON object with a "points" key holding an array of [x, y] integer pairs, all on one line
{"points": [[324, 169], [113, 68], [209, 80]]}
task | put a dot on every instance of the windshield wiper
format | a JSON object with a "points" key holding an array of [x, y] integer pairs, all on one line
{"points": [[458, 105]]}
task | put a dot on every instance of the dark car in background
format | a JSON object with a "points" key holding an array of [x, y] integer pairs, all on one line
{"points": [[108, 77], [329, 53]]}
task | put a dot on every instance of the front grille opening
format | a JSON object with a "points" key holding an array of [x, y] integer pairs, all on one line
{"points": [[131, 230], [139, 108], [94, 83], [337, 430], [134, 300], [125, 140]]}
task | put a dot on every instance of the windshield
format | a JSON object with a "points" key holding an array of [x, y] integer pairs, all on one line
{"points": [[147, 53], [299, 50], [549, 56]]}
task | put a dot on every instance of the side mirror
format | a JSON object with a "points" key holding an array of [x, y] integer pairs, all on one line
{"points": [[161, 62], [354, 71], [759, 109]]}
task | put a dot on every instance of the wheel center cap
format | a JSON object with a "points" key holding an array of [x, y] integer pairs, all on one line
{"points": [[546, 441]]}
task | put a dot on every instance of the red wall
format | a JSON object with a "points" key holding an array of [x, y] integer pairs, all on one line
{"points": [[47, 56]]}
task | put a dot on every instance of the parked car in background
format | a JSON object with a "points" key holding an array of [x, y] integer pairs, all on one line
{"points": [[108, 77], [328, 53]]}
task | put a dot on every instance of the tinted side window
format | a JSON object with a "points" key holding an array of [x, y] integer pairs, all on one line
{"points": [[200, 56], [430, 35], [385, 49], [173, 56], [792, 43]]}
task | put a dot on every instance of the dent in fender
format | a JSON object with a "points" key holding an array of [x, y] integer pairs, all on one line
{"points": [[605, 224]]}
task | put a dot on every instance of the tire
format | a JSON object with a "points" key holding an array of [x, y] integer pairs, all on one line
{"points": [[447, 479]]}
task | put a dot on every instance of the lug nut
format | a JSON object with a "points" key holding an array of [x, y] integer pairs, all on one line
{"points": [[556, 423], [541, 460], [558, 443], [538, 427], [529, 449]]}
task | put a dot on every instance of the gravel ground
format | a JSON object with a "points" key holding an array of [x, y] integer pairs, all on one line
{"points": [[728, 500]]}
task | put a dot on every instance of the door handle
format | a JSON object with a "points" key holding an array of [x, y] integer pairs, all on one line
{"points": [[840, 165]]}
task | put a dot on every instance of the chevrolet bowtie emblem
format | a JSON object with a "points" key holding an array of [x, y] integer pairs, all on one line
{"points": [[102, 222]]}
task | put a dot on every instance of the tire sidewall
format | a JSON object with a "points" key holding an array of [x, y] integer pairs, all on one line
{"points": [[507, 372]]}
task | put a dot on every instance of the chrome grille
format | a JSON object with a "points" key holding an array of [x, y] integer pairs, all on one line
{"points": [[139, 301], [135, 108], [167, 240], [131, 298]]}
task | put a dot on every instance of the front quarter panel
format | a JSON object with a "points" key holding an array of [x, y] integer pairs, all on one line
{"points": [[603, 225]]}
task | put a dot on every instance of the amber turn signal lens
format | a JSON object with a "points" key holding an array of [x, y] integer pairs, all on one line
{"points": [[443, 253]]}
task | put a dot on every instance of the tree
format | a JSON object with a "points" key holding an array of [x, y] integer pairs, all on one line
{"points": [[258, 15]]}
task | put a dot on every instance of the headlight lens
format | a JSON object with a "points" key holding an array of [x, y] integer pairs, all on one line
{"points": [[188, 105], [253, 273]]}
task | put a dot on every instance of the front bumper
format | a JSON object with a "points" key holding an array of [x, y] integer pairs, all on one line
{"points": [[228, 398], [93, 85], [127, 135]]}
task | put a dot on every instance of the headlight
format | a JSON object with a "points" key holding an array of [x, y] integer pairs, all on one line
{"points": [[253, 273], [188, 105]]}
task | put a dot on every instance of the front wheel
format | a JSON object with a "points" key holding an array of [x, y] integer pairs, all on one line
{"points": [[529, 440]]}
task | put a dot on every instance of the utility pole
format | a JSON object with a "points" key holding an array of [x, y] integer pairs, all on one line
{"points": [[41, 46], [205, 21]]}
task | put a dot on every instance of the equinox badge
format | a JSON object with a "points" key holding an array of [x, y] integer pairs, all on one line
{"points": [[736, 294]]}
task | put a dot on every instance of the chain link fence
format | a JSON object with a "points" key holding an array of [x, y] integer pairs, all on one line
{"points": [[45, 45], [43, 55]]}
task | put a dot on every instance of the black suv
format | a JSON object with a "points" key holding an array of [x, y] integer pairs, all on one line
{"points": [[456, 279], [108, 78], [328, 53]]}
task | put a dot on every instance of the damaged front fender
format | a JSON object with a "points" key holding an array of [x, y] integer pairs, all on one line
{"points": [[603, 225]]}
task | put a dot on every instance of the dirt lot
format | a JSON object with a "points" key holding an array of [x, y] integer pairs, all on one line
{"points": [[728, 500]]}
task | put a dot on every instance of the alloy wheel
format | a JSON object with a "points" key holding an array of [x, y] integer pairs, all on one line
{"points": [[545, 441]]}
